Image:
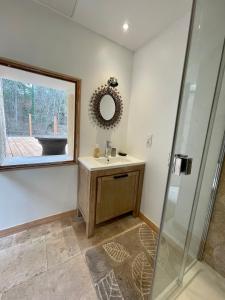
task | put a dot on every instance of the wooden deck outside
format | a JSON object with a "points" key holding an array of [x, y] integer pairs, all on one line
{"points": [[22, 147]]}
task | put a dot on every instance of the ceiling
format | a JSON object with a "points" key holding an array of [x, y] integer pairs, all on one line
{"points": [[146, 18]]}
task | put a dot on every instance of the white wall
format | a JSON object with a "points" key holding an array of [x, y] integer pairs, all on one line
{"points": [[157, 72], [32, 34]]}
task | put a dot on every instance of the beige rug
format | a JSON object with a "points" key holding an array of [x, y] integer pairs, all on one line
{"points": [[122, 268]]}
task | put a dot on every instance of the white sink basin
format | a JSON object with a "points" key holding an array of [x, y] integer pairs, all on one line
{"points": [[92, 163], [112, 160]]}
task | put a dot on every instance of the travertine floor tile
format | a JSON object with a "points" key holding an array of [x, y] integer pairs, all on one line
{"points": [[21, 262], [45, 262], [70, 281], [61, 246], [6, 242], [33, 289], [40, 231]]}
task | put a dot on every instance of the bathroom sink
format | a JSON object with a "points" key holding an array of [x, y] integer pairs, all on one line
{"points": [[112, 160], [92, 163]]}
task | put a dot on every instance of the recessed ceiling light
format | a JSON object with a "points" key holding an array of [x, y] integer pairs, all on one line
{"points": [[125, 27]]}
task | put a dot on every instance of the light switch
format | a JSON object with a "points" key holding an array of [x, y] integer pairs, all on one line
{"points": [[149, 141]]}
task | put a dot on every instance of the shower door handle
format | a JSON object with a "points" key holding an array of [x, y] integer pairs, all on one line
{"points": [[182, 165]]}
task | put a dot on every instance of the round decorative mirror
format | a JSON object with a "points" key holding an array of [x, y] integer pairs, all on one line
{"points": [[106, 105]]}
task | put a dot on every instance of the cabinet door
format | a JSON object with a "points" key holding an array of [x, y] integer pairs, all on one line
{"points": [[116, 195]]}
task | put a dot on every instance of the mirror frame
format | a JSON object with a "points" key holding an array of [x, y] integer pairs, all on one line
{"points": [[94, 107]]}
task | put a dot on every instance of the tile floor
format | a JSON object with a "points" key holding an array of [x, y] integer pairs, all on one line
{"points": [[200, 282], [47, 262]]}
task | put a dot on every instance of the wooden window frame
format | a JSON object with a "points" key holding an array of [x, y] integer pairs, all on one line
{"points": [[41, 71]]}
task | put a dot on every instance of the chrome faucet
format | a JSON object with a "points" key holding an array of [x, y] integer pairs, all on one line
{"points": [[108, 149]]}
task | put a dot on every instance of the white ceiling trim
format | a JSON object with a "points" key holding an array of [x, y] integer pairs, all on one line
{"points": [[57, 10], [74, 8]]}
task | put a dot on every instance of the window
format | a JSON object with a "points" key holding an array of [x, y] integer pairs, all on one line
{"points": [[39, 117]]}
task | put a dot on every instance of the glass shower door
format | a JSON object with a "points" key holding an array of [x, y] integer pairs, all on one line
{"points": [[197, 103]]}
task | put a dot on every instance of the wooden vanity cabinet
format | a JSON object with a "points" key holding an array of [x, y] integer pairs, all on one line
{"points": [[116, 195], [108, 193]]}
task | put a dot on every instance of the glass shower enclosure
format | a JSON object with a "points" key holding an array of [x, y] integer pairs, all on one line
{"points": [[198, 136]]}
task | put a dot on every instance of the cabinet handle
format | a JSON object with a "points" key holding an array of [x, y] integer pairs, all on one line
{"points": [[120, 176]]}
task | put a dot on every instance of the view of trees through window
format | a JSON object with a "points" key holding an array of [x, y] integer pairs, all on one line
{"points": [[42, 105]]}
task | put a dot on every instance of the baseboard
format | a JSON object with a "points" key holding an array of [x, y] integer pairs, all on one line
{"points": [[149, 222], [18, 228]]}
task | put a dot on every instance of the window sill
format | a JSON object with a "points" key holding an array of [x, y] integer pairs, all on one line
{"points": [[36, 162]]}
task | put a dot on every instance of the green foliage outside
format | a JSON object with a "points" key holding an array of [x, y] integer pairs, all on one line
{"points": [[42, 103]]}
